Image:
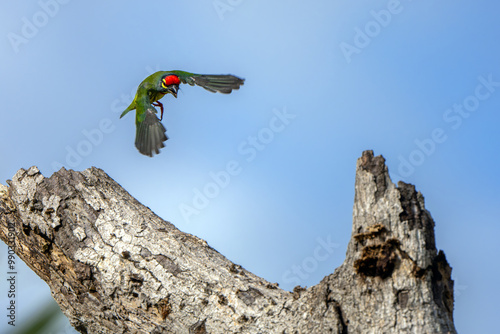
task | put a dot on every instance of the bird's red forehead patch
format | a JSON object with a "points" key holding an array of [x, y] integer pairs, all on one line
{"points": [[171, 80]]}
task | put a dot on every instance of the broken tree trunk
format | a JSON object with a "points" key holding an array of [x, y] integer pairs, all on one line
{"points": [[115, 267]]}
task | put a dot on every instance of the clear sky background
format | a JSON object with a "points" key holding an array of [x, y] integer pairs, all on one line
{"points": [[416, 81]]}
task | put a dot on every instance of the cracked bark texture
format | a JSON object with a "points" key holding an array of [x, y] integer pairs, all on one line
{"points": [[113, 266]]}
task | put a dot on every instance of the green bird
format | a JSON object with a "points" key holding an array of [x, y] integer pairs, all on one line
{"points": [[150, 133]]}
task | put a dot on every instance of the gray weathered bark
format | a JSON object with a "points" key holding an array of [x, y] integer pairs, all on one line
{"points": [[115, 267]]}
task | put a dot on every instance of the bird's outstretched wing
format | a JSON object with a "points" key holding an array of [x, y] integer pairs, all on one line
{"points": [[222, 83], [150, 133]]}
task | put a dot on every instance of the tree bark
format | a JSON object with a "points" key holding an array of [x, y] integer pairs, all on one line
{"points": [[113, 266]]}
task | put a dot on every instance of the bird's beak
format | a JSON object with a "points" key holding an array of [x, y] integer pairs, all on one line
{"points": [[173, 90]]}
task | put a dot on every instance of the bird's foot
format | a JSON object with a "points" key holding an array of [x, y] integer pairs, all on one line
{"points": [[159, 104]]}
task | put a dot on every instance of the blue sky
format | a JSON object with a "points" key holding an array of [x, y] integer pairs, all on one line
{"points": [[416, 81]]}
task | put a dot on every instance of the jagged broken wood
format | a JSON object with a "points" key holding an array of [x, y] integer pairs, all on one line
{"points": [[115, 267]]}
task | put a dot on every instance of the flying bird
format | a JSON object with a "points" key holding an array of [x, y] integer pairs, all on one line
{"points": [[150, 133]]}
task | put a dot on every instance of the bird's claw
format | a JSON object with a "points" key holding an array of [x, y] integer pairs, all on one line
{"points": [[159, 104]]}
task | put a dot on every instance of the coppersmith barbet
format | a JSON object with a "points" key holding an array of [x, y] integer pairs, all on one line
{"points": [[150, 133]]}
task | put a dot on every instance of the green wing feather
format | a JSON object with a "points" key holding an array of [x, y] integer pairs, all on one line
{"points": [[221, 83], [130, 107], [146, 87]]}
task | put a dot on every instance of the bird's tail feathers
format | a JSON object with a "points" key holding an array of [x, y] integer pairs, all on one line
{"points": [[150, 134]]}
